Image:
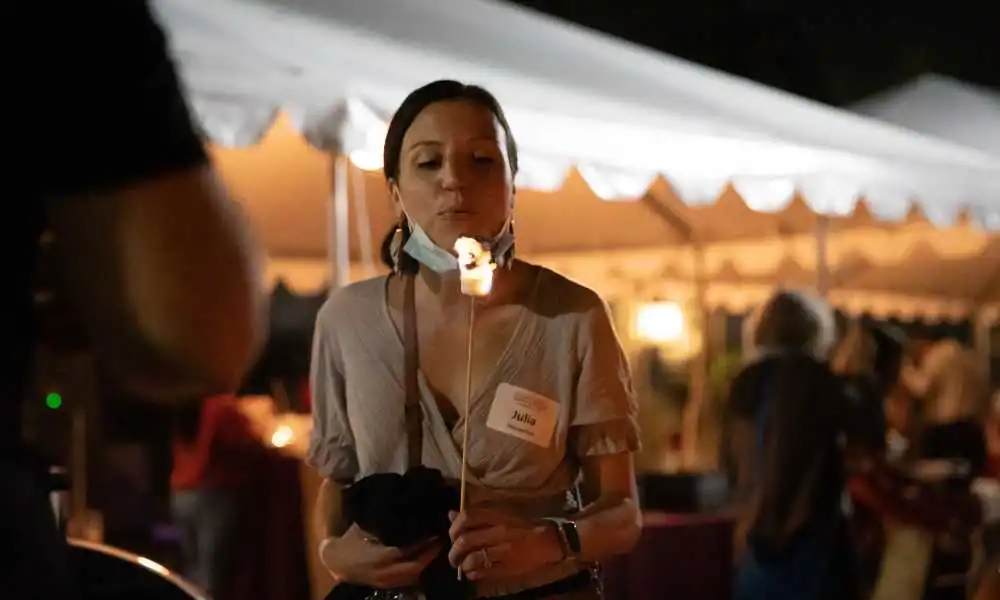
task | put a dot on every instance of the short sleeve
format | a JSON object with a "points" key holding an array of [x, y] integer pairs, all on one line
{"points": [[331, 444], [603, 415], [128, 119]]}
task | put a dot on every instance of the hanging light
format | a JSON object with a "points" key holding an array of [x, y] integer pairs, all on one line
{"points": [[660, 322]]}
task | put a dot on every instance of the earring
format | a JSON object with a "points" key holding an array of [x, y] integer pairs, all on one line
{"points": [[508, 256], [396, 249]]}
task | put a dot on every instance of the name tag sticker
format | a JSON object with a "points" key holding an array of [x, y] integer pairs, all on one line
{"points": [[523, 414]]}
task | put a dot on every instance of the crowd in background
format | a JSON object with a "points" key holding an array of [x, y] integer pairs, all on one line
{"points": [[809, 417]]}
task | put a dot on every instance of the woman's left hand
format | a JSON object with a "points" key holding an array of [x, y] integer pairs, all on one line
{"points": [[489, 544]]}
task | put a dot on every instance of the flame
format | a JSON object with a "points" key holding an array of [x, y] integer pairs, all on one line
{"points": [[282, 436], [476, 266]]}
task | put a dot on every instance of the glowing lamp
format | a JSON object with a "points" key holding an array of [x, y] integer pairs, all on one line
{"points": [[659, 322]]}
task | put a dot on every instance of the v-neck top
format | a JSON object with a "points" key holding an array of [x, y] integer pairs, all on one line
{"points": [[503, 370], [564, 348]]}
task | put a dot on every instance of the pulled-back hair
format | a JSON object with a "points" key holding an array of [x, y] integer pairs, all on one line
{"points": [[438, 91]]}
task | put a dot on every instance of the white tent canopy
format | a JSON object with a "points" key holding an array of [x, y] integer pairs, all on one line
{"points": [[942, 107], [626, 251], [620, 115]]}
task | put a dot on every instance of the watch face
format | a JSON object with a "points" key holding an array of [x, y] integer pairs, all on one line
{"points": [[572, 536]]}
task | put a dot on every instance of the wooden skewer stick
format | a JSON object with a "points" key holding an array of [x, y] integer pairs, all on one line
{"points": [[466, 425], [476, 266]]}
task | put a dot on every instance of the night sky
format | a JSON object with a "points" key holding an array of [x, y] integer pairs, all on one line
{"points": [[836, 53]]}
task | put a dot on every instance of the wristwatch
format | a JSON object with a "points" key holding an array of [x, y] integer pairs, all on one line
{"points": [[569, 536]]}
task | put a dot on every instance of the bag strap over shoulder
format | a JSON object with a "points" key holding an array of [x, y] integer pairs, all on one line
{"points": [[411, 360]]}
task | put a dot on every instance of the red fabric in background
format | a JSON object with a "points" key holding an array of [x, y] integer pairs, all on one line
{"points": [[678, 556], [217, 457], [273, 554], [272, 560]]}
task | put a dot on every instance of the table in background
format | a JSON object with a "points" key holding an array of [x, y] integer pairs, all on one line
{"points": [[680, 556]]}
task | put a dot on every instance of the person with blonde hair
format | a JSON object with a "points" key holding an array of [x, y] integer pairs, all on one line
{"points": [[790, 320], [784, 418], [949, 386]]}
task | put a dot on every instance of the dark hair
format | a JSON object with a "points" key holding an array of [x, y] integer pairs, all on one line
{"points": [[419, 99]]}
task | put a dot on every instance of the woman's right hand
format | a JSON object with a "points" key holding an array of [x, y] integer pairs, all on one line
{"points": [[357, 557]]}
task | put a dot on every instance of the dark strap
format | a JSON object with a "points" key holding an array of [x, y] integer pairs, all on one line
{"points": [[411, 365]]}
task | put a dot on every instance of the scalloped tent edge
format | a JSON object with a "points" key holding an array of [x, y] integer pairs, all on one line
{"points": [[620, 115]]}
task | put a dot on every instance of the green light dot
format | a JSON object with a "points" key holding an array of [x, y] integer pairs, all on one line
{"points": [[53, 400]]}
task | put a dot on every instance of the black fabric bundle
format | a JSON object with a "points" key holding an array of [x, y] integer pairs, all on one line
{"points": [[403, 510]]}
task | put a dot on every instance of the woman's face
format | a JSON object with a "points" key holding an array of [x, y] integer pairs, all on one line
{"points": [[454, 173]]}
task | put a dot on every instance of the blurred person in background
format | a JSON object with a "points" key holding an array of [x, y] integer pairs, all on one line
{"points": [[786, 411], [868, 358], [796, 447], [937, 415], [215, 451], [155, 262], [949, 386]]}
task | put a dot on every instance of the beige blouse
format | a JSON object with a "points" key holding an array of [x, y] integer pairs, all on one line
{"points": [[564, 348]]}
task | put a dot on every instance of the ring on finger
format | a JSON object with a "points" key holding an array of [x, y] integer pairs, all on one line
{"points": [[487, 563]]}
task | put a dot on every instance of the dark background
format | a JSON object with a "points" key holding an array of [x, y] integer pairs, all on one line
{"points": [[835, 53]]}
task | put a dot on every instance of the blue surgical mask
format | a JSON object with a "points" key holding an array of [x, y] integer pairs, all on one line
{"points": [[422, 249]]}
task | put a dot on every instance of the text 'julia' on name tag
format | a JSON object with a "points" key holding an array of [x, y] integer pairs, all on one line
{"points": [[523, 414]]}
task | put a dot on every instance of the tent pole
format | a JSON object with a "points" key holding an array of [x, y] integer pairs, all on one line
{"points": [[338, 223], [822, 256], [338, 256], [691, 456]]}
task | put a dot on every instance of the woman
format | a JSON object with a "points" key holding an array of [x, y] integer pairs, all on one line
{"points": [[787, 411], [868, 361], [854, 360], [950, 388], [542, 342]]}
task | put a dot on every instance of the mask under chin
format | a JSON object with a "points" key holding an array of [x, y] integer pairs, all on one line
{"points": [[424, 250]]}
